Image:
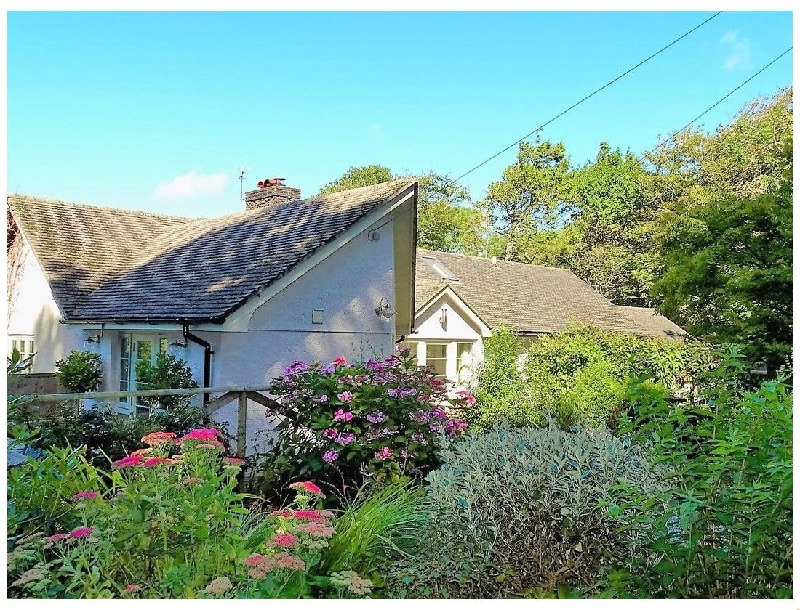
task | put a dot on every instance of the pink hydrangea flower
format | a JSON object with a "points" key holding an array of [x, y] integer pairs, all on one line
{"points": [[383, 454], [307, 486], [467, 396], [81, 532], [86, 495], [287, 541], [345, 396], [342, 414], [330, 432]]}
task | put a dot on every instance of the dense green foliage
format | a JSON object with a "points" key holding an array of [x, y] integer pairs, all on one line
{"points": [[81, 371], [729, 273], [516, 512], [574, 377], [723, 528], [356, 177], [167, 372]]}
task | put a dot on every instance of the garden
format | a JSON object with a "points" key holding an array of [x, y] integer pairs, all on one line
{"points": [[582, 465]]}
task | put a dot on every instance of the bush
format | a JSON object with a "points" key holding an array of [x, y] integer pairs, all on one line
{"points": [[517, 512], [723, 527], [172, 527], [168, 372], [81, 371], [346, 423], [575, 377]]}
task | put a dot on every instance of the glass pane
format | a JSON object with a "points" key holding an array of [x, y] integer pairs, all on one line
{"points": [[163, 345], [436, 350], [15, 345], [438, 366], [464, 362], [30, 347], [144, 350], [125, 347]]}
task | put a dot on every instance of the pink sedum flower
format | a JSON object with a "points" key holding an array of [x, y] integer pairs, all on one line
{"points": [[289, 562], [307, 486], [81, 532], [128, 461], [156, 461], [233, 460], [86, 495], [56, 537], [287, 541], [200, 434], [158, 438], [132, 588]]}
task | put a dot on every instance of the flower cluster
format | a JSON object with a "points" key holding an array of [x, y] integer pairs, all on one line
{"points": [[380, 417], [352, 582]]}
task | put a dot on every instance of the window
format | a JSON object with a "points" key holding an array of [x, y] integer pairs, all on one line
{"points": [[464, 363], [134, 348], [25, 345], [436, 359]]}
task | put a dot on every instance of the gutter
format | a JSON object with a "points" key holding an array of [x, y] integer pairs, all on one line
{"points": [[207, 351]]}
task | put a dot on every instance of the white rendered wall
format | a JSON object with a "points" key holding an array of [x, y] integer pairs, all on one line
{"points": [[33, 311], [347, 287]]}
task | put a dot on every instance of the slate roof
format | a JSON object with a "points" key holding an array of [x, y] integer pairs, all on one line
{"points": [[111, 264], [528, 298]]}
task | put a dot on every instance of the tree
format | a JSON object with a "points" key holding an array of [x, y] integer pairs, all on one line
{"points": [[531, 195], [356, 177], [729, 272], [446, 219]]}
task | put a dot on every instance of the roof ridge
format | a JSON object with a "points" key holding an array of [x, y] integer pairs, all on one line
{"points": [[499, 260], [35, 199]]}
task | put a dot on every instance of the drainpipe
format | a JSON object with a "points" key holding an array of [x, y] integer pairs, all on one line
{"points": [[207, 351]]}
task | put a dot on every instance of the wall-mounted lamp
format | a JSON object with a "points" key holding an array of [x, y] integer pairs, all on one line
{"points": [[443, 318], [183, 343], [93, 339], [384, 310]]}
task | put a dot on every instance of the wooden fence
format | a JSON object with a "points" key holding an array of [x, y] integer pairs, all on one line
{"points": [[226, 394]]}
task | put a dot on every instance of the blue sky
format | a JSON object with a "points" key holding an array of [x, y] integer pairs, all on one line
{"points": [[156, 111]]}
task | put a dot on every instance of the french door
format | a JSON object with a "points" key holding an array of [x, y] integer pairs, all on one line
{"points": [[135, 349]]}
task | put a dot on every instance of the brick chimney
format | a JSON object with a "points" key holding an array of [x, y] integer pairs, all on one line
{"points": [[270, 192]]}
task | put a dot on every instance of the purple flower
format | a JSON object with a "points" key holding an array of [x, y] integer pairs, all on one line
{"points": [[393, 392], [296, 367], [330, 433], [420, 416], [417, 437], [376, 417], [438, 413], [322, 398], [330, 456], [408, 392], [345, 396], [345, 438], [328, 369]]}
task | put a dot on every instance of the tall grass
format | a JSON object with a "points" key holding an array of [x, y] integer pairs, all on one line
{"points": [[376, 527]]}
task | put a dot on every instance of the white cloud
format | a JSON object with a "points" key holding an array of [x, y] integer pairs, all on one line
{"points": [[191, 185], [739, 51]]}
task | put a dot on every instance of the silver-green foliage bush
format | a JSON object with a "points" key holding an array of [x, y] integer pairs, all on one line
{"points": [[520, 512]]}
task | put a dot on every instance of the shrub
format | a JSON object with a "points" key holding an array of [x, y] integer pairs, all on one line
{"points": [[81, 371], [576, 377], [173, 529], [342, 423], [377, 528], [518, 512], [168, 372], [723, 527]]}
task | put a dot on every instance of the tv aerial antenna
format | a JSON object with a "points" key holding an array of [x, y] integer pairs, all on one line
{"points": [[242, 170]]}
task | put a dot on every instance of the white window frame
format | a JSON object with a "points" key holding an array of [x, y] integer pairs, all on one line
{"points": [[451, 354], [28, 345]]}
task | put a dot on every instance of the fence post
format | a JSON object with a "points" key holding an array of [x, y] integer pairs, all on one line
{"points": [[241, 431]]}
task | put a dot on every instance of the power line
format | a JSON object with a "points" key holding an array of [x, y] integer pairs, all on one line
{"points": [[596, 91], [732, 91]]}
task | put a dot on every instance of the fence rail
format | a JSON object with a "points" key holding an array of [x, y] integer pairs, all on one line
{"points": [[227, 394]]}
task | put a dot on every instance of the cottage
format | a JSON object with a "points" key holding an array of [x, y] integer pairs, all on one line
{"points": [[238, 297], [460, 299]]}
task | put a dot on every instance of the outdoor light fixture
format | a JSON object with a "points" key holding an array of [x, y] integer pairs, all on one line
{"points": [[443, 318], [384, 310], [183, 343], [93, 339]]}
